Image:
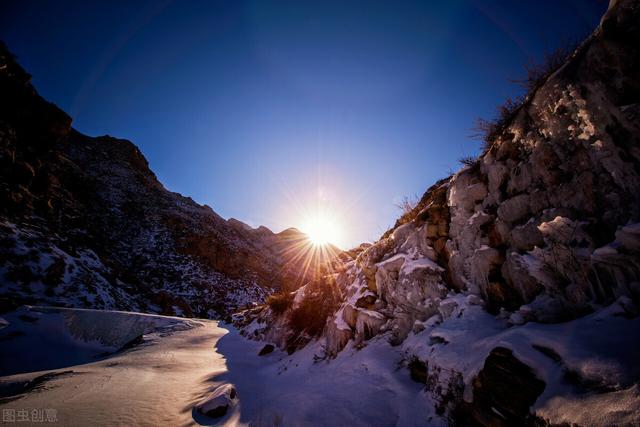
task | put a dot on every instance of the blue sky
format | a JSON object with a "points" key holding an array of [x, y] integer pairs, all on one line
{"points": [[267, 111]]}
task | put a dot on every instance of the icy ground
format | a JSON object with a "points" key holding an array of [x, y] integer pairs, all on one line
{"points": [[117, 368], [159, 379]]}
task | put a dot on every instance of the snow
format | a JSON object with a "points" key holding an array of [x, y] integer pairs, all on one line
{"points": [[391, 260], [85, 280], [604, 409], [182, 368], [596, 347], [71, 336], [155, 383], [222, 398], [420, 264], [183, 363], [358, 388], [338, 319]]}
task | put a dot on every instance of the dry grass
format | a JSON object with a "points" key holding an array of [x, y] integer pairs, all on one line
{"points": [[407, 204], [280, 301], [537, 73]]}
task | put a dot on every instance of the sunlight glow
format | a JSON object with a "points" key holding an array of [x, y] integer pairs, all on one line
{"points": [[322, 228]]}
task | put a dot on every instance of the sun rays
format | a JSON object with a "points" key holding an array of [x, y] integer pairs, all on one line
{"points": [[322, 228], [307, 258]]}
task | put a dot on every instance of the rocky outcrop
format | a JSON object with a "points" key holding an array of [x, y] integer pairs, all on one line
{"points": [[543, 228], [84, 222], [505, 387]]}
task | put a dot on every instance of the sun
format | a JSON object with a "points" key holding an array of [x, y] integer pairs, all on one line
{"points": [[322, 228]]}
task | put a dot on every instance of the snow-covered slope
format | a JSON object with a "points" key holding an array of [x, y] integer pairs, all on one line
{"points": [[513, 288], [84, 222]]}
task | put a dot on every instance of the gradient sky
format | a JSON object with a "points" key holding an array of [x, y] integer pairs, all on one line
{"points": [[267, 111]]}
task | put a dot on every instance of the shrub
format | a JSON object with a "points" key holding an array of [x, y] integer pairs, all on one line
{"points": [[539, 72], [472, 163], [487, 130], [468, 161], [280, 301], [407, 204], [436, 195], [321, 300]]}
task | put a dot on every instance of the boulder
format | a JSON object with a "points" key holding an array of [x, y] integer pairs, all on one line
{"points": [[268, 348], [337, 335], [503, 391], [418, 370], [366, 301], [350, 315], [218, 402], [514, 209], [401, 233]]}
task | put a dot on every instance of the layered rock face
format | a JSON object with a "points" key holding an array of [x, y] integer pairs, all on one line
{"points": [[543, 229], [84, 222]]}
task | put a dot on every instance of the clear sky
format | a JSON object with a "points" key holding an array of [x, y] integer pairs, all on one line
{"points": [[269, 111]]}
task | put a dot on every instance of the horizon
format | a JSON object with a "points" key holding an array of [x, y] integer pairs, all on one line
{"points": [[271, 115]]}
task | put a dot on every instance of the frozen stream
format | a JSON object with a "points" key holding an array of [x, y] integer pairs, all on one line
{"points": [[83, 373]]}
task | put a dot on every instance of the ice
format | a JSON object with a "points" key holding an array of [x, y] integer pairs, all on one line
{"points": [[157, 382]]}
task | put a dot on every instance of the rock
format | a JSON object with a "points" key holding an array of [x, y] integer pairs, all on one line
{"points": [[366, 301], [629, 237], [447, 307], [268, 348], [482, 265], [437, 339], [501, 295], [503, 391], [418, 327], [401, 233], [368, 325], [520, 179], [432, 231], [497, 172], [418, 370], [514, 209], [54, 272], [337, 337], [419, 242], [520, 271], [473, 299], [466, 190], [526, 237], [218, 402], [350, 315]]}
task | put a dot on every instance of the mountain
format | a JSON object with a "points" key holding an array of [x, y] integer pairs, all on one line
{"points": [[84, 222], [512, 290]]}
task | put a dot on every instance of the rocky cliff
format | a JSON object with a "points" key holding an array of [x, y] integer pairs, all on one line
{"points": [[84, 222], [512, 290]]}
